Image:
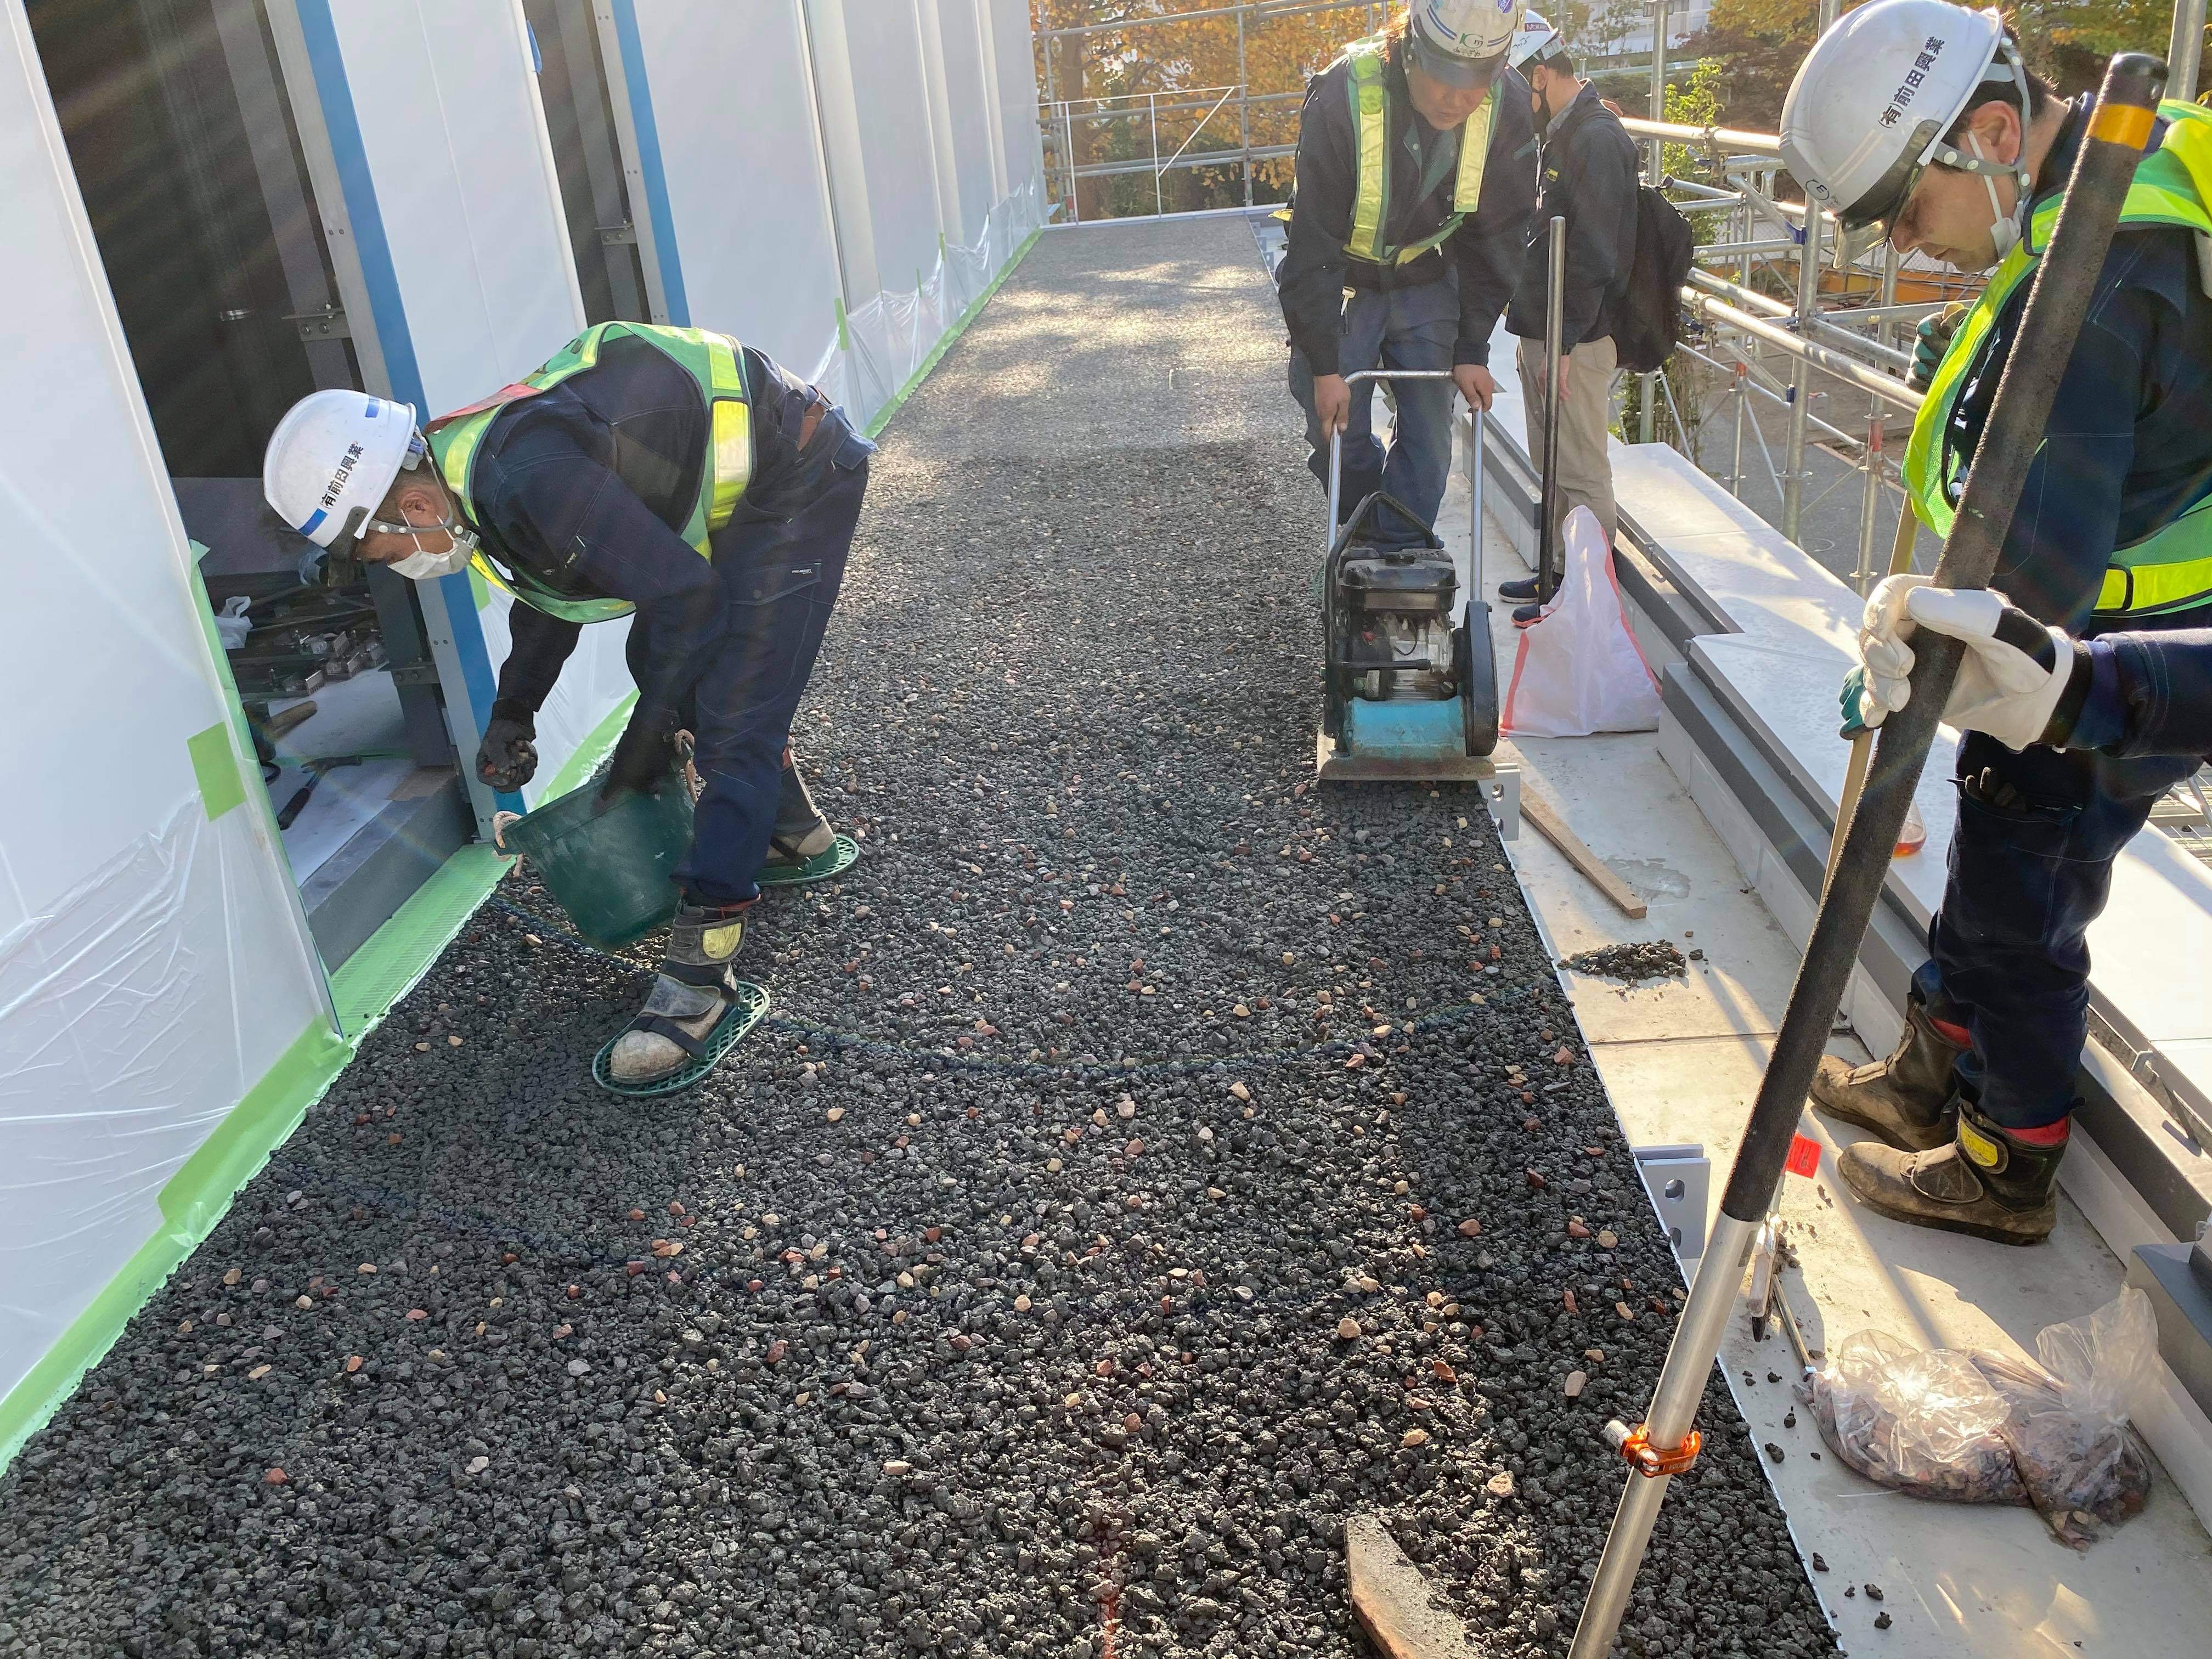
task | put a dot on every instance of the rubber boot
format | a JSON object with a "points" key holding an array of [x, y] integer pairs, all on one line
{"points": [[801, 832], [697, 985], [1989, 1182], [1905, 1099]]}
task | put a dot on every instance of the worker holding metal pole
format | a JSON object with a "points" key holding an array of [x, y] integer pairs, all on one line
{"points": [[1972, 1109], [1416, 172], [670, 476], [1589, 178], [2065, 289]]}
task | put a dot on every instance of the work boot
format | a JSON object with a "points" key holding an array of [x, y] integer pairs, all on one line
{"points": [[1521, 589], [697, 985], [1527, 614], [1989, 1182], [801, 833], [1905, 1099]]}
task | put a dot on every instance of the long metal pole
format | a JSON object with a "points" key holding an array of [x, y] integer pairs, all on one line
{"points": [[2184, 52], [1244, 108], [1160, 202], [1658, 86], [1801, 374], [2064, 283], [1549, 565]]}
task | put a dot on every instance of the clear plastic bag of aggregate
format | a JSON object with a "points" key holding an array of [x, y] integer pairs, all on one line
{"points": [[1976, 1428]]}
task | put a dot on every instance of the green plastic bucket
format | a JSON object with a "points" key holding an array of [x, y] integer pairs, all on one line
{"points": [[612, 867]]}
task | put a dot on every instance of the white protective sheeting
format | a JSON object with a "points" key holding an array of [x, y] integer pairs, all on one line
{"points": [[885, 342], [454, 137], [741, 157], [1021, 146], [969, 103], [154, 960], [883, 48]]}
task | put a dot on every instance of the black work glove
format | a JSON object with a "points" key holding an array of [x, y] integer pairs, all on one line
{"points": [[507, 758], [645, 756]]}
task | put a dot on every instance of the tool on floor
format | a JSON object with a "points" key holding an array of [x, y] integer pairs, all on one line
{"points": [[1410, 686], [314, 769], [1551, 564], [1554, 829], [1391, 1599], [1666, 1444]]}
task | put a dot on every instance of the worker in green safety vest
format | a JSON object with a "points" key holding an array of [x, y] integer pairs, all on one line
{"points": [[1918, 117], [1416, 172], [668, 475]]}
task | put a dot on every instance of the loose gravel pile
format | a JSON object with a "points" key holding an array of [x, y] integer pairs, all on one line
{"points": [[1658, 958], [1150, 1160]]}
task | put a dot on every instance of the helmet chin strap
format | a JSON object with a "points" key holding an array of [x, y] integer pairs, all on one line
{"points": [[2006, 229]]}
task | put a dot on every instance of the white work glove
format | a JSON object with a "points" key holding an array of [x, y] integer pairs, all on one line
{"points": [[2014, 671]]}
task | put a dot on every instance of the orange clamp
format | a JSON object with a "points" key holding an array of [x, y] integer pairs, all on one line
{"points": [[1647, 1459]]}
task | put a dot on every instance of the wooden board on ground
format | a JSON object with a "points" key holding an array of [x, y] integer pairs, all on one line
{"points": [[1392, 1601], [1554, 829]]}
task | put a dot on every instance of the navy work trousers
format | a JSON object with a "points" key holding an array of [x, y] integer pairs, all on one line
{"points": [[780, 571], [1398, 328], [2010, 947]]}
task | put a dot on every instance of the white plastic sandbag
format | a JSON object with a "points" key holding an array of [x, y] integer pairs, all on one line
{"points": [[1978, 1428], [1578, 669]]}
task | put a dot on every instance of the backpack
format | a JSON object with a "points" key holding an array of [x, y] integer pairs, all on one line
{"points": [[1649, 324]]}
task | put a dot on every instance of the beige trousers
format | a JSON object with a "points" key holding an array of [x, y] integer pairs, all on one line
{"points": [[1585, 469]]}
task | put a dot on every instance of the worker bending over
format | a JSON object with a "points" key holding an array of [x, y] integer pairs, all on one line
{"points": [[667, 474], [1919, 116], [1415, 173]]}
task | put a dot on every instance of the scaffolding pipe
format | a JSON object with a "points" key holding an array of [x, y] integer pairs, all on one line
{"points": [[1762, 144], [1834, 363], [2185, 50], [1801, 378], [1244, 108], [1258, 8], [1817, 326]]}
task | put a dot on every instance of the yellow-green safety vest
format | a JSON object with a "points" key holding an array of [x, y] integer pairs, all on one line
{"points": [[2171, 569], [1371, 128], [712, 362]]}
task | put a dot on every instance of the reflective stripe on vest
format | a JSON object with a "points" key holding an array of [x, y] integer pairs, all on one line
{"points": [[2171, 569], [710, 360], [1371, 128]]}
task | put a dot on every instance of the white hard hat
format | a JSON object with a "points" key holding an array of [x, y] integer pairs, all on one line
{"points": [[1536, 38], [1874, 97], [331, 458], [1456, 41]]}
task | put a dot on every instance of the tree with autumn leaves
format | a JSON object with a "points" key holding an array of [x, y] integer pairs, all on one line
{"points": [[1760, 44]]}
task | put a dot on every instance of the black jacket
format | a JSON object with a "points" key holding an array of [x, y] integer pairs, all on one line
{"points": [[586, 487], [1314, 271], [1589, 176], [2150, 694], [2128, 444]]}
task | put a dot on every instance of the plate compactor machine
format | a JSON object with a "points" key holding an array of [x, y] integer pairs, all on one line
{"points": [[1410, 694]]}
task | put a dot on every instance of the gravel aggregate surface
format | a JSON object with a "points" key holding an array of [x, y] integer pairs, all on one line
{"points": [[1149, 1160]]}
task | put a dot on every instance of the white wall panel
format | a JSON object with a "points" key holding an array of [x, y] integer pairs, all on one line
{"points": [[968, 109], [741, 159], [455, 143], [895, 139], [1017, 91], [153, 963]]}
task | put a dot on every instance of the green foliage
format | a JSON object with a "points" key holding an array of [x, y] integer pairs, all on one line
{"points": [[1761, 42]]}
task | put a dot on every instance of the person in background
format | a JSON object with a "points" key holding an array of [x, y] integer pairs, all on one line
{"points": [[1587, 172], [1415, 173]]}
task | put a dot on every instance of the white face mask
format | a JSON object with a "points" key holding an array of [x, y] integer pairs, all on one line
{"points": [[428, 567]]}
